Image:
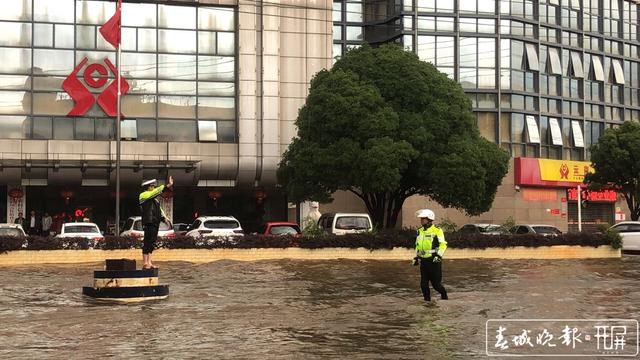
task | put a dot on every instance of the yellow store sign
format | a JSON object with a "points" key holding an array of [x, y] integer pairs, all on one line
{"points": [[564, 170]]}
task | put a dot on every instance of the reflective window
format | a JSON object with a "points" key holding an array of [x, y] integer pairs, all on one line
{"points": [[178, 17], [84, 128], [16, 10], [179, 67], [207, 131], [136, 65], [216, 68], [42, 128], [176, 87], [138, 14], [14, 127], [43, 35], [64, 36], [176, 41], [85, 36], [105, 129], [183, 107], [94, 12], [354, 12], [177, 130], [15, 102], [354, 33], [15, 82], [206, 42], [63, 128], [216, 19], [216, 108], [226, 131], [59, 11], [15, 61], [216, 88], [15, 34], [53, 62], [226, 43], [146, 130], [146, 40]]}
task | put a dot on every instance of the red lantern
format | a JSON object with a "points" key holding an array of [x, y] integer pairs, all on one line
{"points": [[16, 193], [67, 195], [260, 196], [214, 195]]}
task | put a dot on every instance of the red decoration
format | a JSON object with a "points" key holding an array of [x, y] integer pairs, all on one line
{"points": [[111, 29], [16, 193], [604, 195], [260, 196], [214, 195], [67, 195]]}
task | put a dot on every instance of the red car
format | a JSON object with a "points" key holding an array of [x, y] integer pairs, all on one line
{"points": [[276, 228]]}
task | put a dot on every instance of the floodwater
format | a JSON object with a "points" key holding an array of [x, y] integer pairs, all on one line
{"points": [[304, 309]]}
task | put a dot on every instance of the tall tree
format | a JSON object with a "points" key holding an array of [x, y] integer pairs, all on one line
{"points": [[616, 160], [385, 125]]}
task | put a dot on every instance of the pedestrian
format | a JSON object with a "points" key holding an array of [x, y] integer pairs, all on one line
{"points": [[33, 224], [152, 215], [47, 221], [430, 246], [21, 220]]}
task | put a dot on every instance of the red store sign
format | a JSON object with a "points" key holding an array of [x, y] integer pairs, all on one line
{"points": [[601, 196]]}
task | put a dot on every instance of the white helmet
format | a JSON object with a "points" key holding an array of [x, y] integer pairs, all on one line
{"points": [[426, 213]]}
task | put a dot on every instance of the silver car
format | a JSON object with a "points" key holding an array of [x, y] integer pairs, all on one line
{"points": [[545, 230], [630, 233], [12, 230]]}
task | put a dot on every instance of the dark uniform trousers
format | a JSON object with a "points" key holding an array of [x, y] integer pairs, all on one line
{"points": [[431, 272]]}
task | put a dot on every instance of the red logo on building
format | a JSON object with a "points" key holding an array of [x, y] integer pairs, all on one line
{"points": [[95, 76], [564, 172]]}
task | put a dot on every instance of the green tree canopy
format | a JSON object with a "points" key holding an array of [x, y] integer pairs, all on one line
{"points": [[616, 160], [385, 126]]}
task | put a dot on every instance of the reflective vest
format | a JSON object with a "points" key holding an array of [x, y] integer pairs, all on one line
{"points": [[150, 208], [430, 241]]}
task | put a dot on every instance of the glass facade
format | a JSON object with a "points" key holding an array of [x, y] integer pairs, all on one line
{"points": [[545, 77], [180, 63]]}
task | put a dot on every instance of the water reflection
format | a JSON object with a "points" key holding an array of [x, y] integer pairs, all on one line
{"points": [[311, 309]]}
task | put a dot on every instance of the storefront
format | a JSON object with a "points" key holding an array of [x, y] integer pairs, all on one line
{"points": [[556, 183]]}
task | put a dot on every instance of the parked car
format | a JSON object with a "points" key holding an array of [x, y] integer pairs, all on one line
{"points": [[630, 233], [180, 229], [85, 230], [133, 228], [485, 229], [210, 226], [14, 230], [345, 223], [546, 230], [274, 228]]}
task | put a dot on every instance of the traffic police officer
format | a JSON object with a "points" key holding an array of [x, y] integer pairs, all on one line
{"points": [[430, 246], [152, 215]]}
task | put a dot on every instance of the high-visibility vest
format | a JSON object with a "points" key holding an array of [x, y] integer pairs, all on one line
{"points": [[430, 241]]}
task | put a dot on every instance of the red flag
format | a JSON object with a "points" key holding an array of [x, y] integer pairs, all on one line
{"points": [[111, 29]]}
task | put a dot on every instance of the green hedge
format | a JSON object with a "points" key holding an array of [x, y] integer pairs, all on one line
{"points": [[381, 240]]}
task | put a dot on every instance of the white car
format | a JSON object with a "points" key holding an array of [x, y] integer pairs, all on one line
{"points": [[345, 223], [211, 226], [85, 230], [630, 233], [133, 228], [12, 230]]}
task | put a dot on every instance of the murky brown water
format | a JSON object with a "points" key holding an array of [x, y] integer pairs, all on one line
{"points": [[303, 309]]}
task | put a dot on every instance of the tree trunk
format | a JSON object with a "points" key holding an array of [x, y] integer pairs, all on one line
{"points": [[384, 208]]}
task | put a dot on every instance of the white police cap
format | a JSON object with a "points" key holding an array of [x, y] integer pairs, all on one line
{"points": [[149, 182]]}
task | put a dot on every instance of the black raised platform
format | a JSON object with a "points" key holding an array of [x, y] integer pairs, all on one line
{"points": [[124, 274], [126, 292]]}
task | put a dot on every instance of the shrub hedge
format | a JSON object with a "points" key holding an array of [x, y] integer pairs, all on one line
{"points": [[380, 240]]}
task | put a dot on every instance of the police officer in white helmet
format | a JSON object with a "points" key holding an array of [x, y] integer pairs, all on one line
{"points": [[430, 246]]}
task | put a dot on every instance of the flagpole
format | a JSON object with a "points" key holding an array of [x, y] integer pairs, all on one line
{"points": [[117, 227]]}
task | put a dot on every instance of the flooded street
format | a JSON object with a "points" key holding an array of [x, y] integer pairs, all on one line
{"points": [[304, 309]]}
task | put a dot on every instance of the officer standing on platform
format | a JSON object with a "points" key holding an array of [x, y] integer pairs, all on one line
{"points": [[430, 246], [152, 215]]}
